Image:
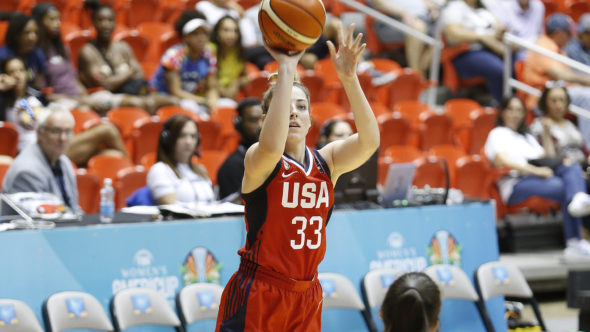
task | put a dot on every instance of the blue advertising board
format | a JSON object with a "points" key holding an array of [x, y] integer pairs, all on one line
{"points": [[103, 259]]}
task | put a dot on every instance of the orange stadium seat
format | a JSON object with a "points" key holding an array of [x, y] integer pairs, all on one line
{"points": [[212, 160], [374, 45], [396, 154], [107, 166], [135, 12], [89, 185], [576, 8], [148, 160], [229, 136], [408, 85], [450, 77], [411, 110], [460, 110], [483, 122], [85, 119], [324, 111], [157, 33], [450, 154], [315, 84], [145, 138], [379, 109], [128, 181], [17, 5], [3, 169], [435, 129], [75, 41], [9, 139], [138, 43], [125, 118], [210, 132], [429, 171], [471, 176], [395, 130], [165, 112], [257, 86]]}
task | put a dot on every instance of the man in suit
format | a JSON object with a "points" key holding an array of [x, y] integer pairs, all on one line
{"points": [[43, 167]]}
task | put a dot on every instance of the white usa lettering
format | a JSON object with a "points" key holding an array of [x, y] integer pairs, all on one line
{"points": [[308, 197]]}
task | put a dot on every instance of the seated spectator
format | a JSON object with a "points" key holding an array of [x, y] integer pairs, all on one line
{"points": [[510, 145], [522, 18], [43, 167], [412, 304], [214, 10], [112, 66], [189, 70], [226, 42], [539, 69], [420, 15], [21, 39], [579, 48], [175, 178], [467, 21], [248, 123], [559, 137], [22, 105], [319, 50], [333, 130]]}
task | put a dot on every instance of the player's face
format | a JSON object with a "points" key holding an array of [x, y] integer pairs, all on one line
{"points": [[186, 143], [300, 119]]}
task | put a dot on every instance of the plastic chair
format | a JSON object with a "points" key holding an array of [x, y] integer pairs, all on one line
{"points": [[156, 33], [148, 160], [9, 139], [127, 182], [107, 166], [17, 316], [75, 41], [198, 301], [3, 169], [471, 176], [84, 119], [145, 138], [408, 85], [135, 12], [229, 135], [429, 171], [576, 8], [455, 284], [450, 77], [142, 306], [324, 111], [210, 132], [138, 43], [435, 129], [339, 292], [74, 310], [315, 84], [374, 45], [127, 118], [89, 185], [498, 278], [411, 110], [165, 112], [3, 28], [451, 154], [460, 109], [395, 130], [257, 86], [476, 134], [374, 286], [212, 160]]}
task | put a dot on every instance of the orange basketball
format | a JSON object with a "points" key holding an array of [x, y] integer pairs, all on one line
{"points": [[291, 25]]}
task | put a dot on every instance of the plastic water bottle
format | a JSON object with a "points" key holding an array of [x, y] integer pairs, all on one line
{"points": [[107, 201]]}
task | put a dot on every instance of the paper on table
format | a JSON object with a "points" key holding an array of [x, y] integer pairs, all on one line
{"points": [[204, 209]]}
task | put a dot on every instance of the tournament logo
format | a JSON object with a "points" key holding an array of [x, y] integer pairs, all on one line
{"points": [[200, 266], [8, 315], [444, 249]]}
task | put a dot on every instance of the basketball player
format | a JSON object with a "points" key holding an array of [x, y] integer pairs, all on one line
{"points": [[288, 193]]}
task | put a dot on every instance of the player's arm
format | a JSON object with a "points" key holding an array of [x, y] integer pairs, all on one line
{"points": [[263, 156], [345, 155]]}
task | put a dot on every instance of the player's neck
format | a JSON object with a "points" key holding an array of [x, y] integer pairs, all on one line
{"points": [[296, 151]]}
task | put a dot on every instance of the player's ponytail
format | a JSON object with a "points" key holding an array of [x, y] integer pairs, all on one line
{"points": [[412, 304]]}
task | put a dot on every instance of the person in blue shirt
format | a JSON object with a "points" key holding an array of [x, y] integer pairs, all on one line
{"points": [[21, 38], [579, 48]]}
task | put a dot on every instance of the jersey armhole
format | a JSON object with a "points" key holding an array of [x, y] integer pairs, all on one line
{"points": [[266, 182]]}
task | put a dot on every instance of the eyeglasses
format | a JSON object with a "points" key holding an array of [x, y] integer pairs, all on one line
{"points": [[58, 132], [555, 84]]}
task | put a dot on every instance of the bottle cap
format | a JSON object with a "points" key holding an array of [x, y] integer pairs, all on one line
{"points": [[108, 181]]}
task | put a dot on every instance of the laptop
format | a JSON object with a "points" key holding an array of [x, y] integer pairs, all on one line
{"points": [[398, 183]]}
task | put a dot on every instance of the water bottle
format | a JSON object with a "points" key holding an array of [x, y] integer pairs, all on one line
{"points": [[107, 201]]}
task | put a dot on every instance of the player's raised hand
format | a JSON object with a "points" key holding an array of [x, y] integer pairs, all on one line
{"points": [[282, 57], [346, 58]]}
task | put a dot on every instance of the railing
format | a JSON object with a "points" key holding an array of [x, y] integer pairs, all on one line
{"points": [[395, 24], [509, 82]]}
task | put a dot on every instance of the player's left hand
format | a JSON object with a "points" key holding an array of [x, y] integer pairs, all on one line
{"points": [[346, 58]]}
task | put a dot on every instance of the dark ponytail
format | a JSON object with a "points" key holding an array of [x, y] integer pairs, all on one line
{"points": [[412, 304]]}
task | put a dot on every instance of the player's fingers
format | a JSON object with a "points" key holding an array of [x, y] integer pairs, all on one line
{"points": [[331, 48]]}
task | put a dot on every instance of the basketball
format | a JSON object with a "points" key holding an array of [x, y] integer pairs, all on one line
{"points": [[291, 25]]}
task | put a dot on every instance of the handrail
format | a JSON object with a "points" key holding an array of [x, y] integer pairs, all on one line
{"points": [[395, 24], [509, 82]]}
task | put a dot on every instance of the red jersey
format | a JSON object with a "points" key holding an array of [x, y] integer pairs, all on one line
{"points": [[286, 217]]}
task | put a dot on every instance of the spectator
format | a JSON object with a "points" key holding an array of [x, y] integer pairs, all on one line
{"points": [[412, 304], [333, 130], [510, 145], [22, 105], [214, 10], [111, 65], [43, 167], [539, 69], [559, 137], [248, 123], [189, 70], [319, 50], [21, 39], [226, 41], [467, 21], [175, 178], [420, 15], [579, 48], [522, 18]]}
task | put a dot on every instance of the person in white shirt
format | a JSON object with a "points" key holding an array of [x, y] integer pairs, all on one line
{"points": [[510, 145], [175, 178]]}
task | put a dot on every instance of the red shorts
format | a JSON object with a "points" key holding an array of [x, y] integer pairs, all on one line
{"points": [[259, 299]]}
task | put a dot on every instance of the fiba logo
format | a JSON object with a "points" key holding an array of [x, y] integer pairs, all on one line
{"points": [[395, 240], [143, 257]]}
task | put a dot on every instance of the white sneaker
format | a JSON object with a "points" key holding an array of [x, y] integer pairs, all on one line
{"points": [[579, 206], [577, 248]]}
